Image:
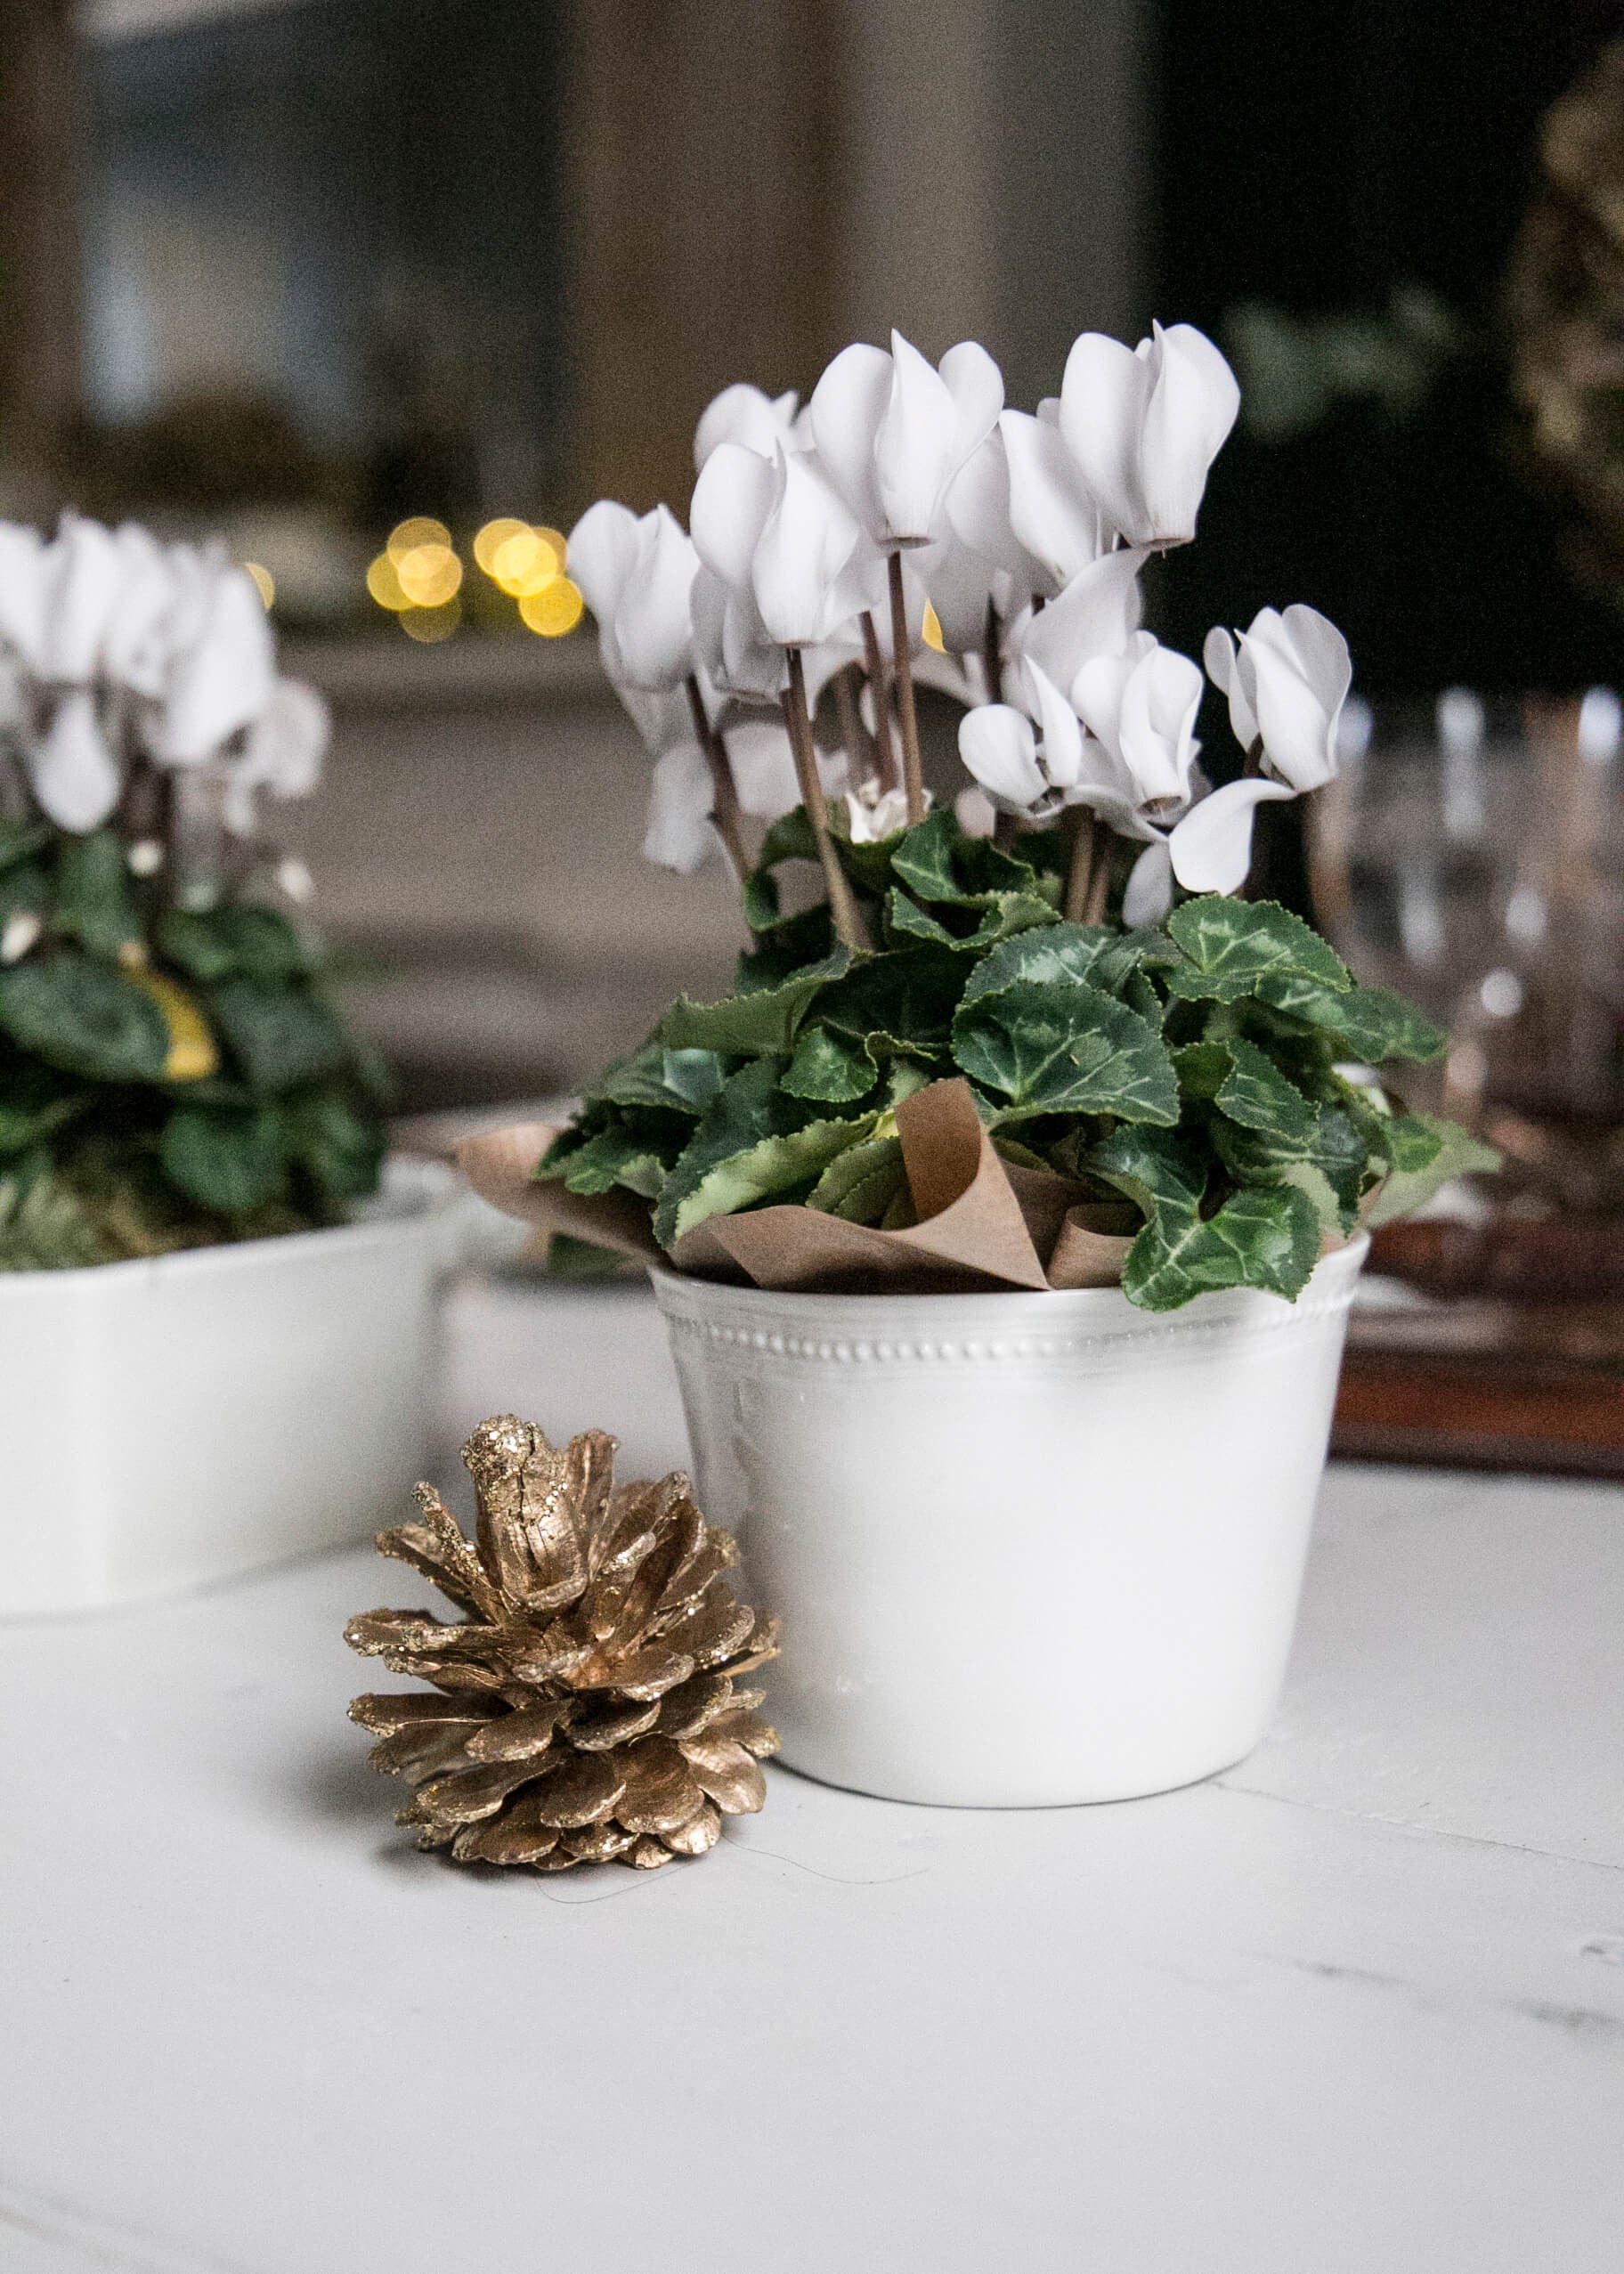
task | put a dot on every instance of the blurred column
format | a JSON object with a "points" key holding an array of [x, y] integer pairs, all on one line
{"points": [[706, 191], [1001, 175], [39, 249]]}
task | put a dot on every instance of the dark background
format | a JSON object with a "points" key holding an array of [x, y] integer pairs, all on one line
{"points": [[1316, 154]]}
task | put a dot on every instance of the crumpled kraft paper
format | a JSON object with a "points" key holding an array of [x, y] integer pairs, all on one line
{"points": [[982, 1222]]}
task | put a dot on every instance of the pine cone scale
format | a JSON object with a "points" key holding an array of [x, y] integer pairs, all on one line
{"points": [[586, 1708]]}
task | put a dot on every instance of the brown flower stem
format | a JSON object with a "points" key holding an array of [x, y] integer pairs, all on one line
{"points": [[855, 737], [724, 794], [1085, 851], [913, 775], [878, 686], [992, 656], [1006, 829], [1100, 882], [797, 719]]}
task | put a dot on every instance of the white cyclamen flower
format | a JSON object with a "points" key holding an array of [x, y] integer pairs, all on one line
{"points": [[1141, 705], [222, 670], [281, 753], [1023, 776], [1054, 515], [892, 432], [636, 576], [749, 414], [76, 776], [1287, 681], [1144, 426]]}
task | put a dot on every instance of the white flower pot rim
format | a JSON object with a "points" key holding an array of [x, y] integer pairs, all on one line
{"points": [[1013, 1323], [409, 1190]]}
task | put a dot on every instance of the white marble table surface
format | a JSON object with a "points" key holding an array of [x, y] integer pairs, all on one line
{"points": [[1355, 2007]]}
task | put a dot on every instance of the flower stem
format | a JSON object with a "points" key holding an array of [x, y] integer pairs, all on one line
{"points": [[912, 776], [992, 655], [797, 719], [879, 686], [1006, 829], [724, 795], [1086, 848], [1100, 883], [855, 737]]}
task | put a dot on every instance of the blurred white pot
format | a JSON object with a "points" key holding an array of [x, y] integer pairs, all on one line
{"points": [[172, 1421], [1027, 1548]]}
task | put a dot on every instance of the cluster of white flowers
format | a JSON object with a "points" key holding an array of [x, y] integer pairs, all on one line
{"points": [[118, 653], [905, 505]]}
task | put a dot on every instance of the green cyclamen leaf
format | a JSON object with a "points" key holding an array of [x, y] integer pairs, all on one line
{"points": [[828, 1070], [1259, 1096], [1053, 1047], [1150, 1165], [281, 1034], [907, 996], [1006, 913], [615, 1156], [222, 1159], [1231, 944], [1257, 1239], [1091, 953], [1458, 1154], [751, 1026], [754, 1141], [674, 1081], [340, 1148], [93, 901], [84, 1016], [862, 1184], [1370, 1024]]}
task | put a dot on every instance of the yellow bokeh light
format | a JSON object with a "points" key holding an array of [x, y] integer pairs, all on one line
{"points": [[933, 629], [527, 562], [421, 528], [559, 542], [554, 610], [430, 624], [385, 585], [496, 534], [265, 583], [429, 574]]}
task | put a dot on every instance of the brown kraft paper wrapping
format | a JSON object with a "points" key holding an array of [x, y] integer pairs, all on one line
{"points": [[983, 1222]]}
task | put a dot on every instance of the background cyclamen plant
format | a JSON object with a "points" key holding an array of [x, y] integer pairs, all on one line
{"points": [[1203, 1063], [170, 1073]]}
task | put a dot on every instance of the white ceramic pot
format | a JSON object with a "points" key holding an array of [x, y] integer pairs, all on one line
{"points": [[172, 1421], [1027, 1548]]}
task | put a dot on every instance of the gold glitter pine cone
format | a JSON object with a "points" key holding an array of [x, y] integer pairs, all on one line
{"points": [[585, 1710]]}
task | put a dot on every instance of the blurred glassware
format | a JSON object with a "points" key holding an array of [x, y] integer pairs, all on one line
{"points": [[1474, 859]]}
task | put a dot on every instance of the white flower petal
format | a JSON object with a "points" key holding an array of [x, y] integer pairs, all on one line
{"points": [[1211, 847], [76, 776], [1157, 724], [602, 547], [679, 835], [808, 537], [1192, 407], [285, 745], [224, 678], [732, 499], [136, 647], [847, 407], [1148, 895], [1103, 398], [85, 571], [653, 633], [744, 414], [998, 746], [1097, 614], [1051, 512], [976, 384], [1062, 736], [763, 769], [915, 445]]}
